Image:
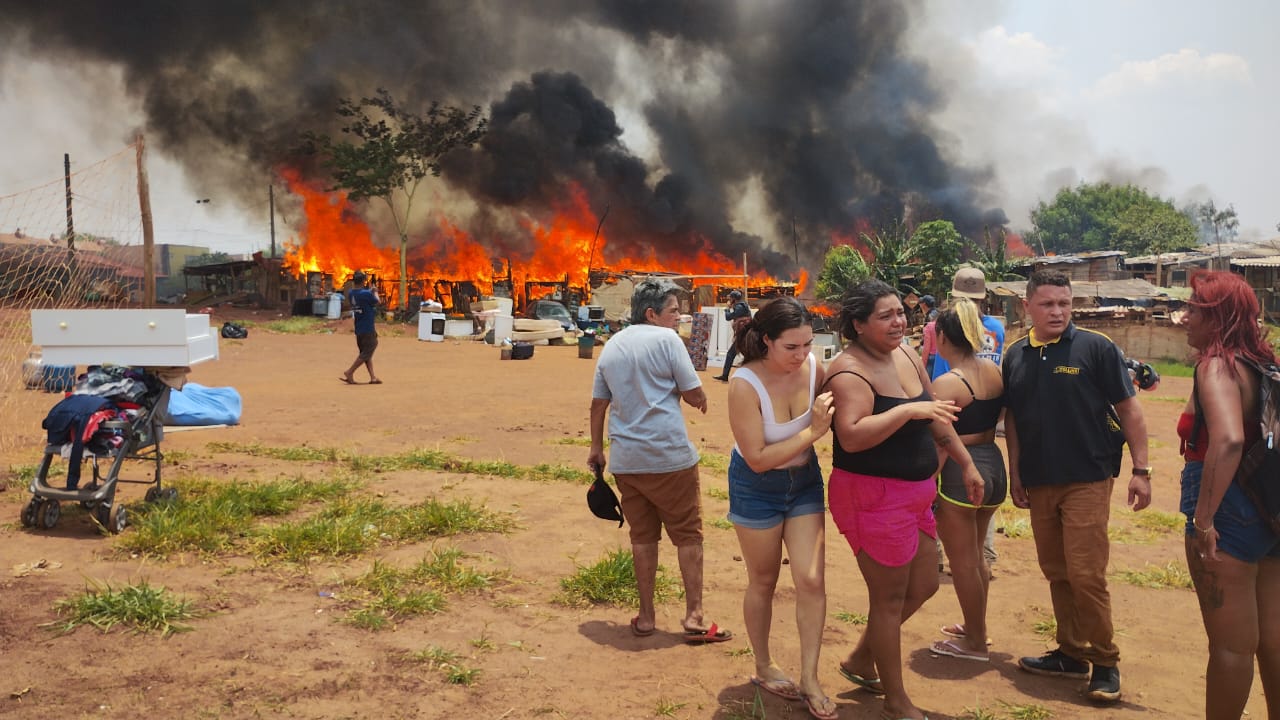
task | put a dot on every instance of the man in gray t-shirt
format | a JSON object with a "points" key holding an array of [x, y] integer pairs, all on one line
{"points": [[643, 373]]}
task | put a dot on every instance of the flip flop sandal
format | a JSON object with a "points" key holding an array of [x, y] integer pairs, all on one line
{"points": [[816, 711], [956, 631], [871, 685], [712, 634], [635, 628], [950, 649], [783, 688]]}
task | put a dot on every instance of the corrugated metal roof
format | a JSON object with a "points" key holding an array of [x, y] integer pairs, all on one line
{"points": [[1125, 289], [1268, 262]]}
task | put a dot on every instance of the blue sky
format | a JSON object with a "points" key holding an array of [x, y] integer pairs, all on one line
{"points": [[1181, 97]]}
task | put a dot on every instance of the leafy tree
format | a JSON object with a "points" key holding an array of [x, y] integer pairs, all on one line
{"points": [[937, 245], [1216, 225], [390, 151], [992, 256], [929, 256], [1102, 216], [842, 267], [213, 258]]}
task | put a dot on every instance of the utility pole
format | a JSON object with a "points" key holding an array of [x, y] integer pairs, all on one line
{"points": [[271, 202], [148, 232], [71, 226]]}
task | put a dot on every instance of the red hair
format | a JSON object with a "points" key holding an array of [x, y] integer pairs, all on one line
{"points": [[1228, 303]]}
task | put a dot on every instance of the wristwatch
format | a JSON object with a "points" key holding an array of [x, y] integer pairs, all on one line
{"points": [[1142, 470]]}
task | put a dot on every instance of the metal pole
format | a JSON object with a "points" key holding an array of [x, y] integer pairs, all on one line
{"points": [[148, 232], [271, 202], [744, 277], [66, 176]]}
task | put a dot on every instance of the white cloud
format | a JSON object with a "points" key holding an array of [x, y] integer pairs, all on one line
{"points": [[1173, 69], [1018, 58]]}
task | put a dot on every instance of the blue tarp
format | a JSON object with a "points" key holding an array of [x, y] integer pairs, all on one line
{"points": [[200, 405]]}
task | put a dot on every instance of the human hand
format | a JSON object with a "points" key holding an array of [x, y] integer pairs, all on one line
{"points": [[596, 459], [1206, 542], [944, 410], [824, 410], [1139, 492], [1018, 493], [974, 485]]}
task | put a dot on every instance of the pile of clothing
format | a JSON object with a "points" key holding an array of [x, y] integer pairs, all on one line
{"points": [[104, 393]]}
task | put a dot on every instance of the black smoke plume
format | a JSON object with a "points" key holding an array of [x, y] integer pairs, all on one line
{"points": [[813, 103]]}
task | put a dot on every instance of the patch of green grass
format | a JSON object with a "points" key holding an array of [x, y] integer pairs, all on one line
{"points": [[1013, 523], [1026, 712], [721, 523], [297, 325], [142, 607], [850, 618], [1046, 626], [739, 652], [447, 662], [717, 493], [578, 442], [432, 518], [977, 714], [1160, 521], [386, 593], [1127, 535], [715, 462], [1168, 367], [343, 528], [611, 581], [420, 459], [667, 708], [1169, 575], [483, 643], [20, 476], [1178, 400], [212, 516]]}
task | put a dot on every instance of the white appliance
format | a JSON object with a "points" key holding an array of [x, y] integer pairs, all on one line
{"points": [[431, 326]]}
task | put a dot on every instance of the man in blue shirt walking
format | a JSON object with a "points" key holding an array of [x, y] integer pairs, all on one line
{"points": [[364, 307]]}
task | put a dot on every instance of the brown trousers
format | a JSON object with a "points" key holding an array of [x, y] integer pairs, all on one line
{"points": [[1070, 525]]}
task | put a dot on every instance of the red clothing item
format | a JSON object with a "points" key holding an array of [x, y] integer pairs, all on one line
{"points": [[1187, 423]]}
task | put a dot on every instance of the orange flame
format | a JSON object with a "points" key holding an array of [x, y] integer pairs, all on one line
{"points": [[334, 239]]}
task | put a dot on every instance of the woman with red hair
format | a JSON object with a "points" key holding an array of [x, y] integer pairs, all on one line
{"points": [[1233, 555]]}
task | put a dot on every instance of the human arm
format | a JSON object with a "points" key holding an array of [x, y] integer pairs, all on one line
{"points": [[1219, 396], [1134, 424], [1016, 492], [599, 411], [696, 398]]}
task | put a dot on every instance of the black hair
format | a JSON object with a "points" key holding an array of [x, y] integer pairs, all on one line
{"points": [[770, 321], [1057, 278], [859, 302]]}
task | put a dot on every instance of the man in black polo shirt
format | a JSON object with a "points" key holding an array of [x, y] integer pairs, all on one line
{"points": [[1060, 383]]}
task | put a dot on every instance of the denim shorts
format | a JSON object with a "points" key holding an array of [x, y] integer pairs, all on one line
{"points": [[763, 500], [1242, 533]]}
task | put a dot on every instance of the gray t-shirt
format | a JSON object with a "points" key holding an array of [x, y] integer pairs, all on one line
{"points": [[641, 372]]}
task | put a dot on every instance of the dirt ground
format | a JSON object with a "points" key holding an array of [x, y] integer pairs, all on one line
{"points": [[271, 644]]}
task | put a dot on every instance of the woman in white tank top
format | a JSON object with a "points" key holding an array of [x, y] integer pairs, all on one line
{"points": [[775, 488]]}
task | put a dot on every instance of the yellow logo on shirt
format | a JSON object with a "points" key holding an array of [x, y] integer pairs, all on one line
{"points": [[1066, 370]]}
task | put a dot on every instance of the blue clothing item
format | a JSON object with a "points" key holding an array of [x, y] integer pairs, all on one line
{"points": [[364, 306], [642, 372], [764, 500], [992, 347], [1242, 534]]}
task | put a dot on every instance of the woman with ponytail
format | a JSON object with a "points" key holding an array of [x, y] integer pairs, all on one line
{"points": [[976, 387], [775, 488]]}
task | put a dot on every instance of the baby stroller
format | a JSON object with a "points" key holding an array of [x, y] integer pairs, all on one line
{"points": [[126, 406]]}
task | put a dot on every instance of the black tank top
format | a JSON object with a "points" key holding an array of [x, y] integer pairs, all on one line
{"points": [[980, 415], [908, 454]]}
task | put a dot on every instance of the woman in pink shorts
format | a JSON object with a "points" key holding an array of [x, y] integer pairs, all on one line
{"points": [[887, 432]]}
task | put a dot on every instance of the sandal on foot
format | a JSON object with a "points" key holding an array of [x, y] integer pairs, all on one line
{"points": [[952, 649], [712, 634], [871, 685], [956, 630], [635, 628], [816, 709], [783, 688]]}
